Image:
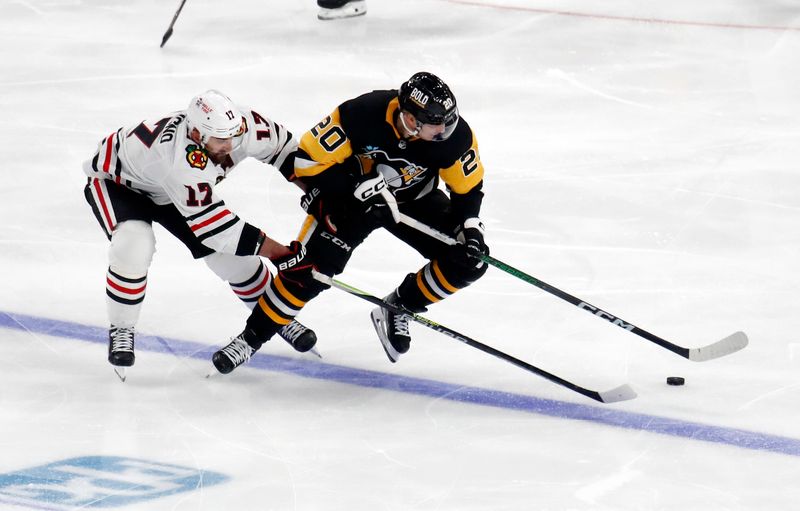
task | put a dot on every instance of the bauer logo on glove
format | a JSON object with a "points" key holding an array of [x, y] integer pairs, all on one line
{"points": [[298, 252]]}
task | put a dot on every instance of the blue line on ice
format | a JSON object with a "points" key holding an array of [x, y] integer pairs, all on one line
{"points": [[312, 369]]}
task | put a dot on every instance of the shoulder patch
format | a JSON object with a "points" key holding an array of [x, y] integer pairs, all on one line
{"points": [[196, 156]]}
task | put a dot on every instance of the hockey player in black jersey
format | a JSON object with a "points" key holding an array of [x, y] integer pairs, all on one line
{"points": [[402, 141]]}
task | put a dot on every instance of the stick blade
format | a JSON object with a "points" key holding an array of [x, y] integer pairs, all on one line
{"points": [[622, 393], [726, 346], [166, 37]]}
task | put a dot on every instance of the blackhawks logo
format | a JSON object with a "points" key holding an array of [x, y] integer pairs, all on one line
{"points": [[196, 156]]}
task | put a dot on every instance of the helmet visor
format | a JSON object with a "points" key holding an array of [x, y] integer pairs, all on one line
{"points": [[231, 142], [444, 125]]}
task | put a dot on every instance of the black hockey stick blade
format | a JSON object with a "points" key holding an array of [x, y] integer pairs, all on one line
{"points": [[166, 37], [621, 393], [168, 33]]}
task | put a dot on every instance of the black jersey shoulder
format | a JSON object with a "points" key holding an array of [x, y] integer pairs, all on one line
{"points": [[362, 116]]}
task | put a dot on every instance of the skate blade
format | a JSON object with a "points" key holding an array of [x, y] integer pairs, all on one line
{"points": [[213, 373], [120, 372], [349, 10]]}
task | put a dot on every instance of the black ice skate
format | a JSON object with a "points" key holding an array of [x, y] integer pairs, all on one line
{"points": [[120, 346], [301, 338], [236, 353], [120, 349], [337, 9], [392, 329]]}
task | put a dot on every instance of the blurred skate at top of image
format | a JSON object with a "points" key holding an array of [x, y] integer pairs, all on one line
{"points": [[338, 9]]}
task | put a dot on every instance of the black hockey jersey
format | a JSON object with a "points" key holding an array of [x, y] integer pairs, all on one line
{"points": [[360, 137]]}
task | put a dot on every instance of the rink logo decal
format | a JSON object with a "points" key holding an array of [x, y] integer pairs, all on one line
{"points": [[196, 157], [100, 482]]}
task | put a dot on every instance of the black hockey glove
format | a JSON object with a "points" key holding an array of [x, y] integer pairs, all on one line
{"points": [[470, 244], [293, 266], [312, 203], [322, 207]]}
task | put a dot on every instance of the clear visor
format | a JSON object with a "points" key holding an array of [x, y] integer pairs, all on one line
{"points": [[443, 130], [223, 145], [220, 145]]}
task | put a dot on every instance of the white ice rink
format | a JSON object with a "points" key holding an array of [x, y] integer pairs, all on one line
{"points": [[640, 155]]}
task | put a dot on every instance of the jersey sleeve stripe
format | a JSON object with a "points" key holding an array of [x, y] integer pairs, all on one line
{"points": [[218, 229], [214, 219], [205, 211], [100, 193], [107, 160]]}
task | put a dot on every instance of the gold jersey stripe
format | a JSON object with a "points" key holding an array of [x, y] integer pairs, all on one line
{"points": [[424, 288], [271, 313], [443, 281], [286, 294]]}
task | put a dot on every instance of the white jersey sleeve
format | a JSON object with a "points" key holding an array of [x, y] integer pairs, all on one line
{"points": [[159, 160], [269, 142]]}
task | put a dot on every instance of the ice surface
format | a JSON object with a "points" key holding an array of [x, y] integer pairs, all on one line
{"points": [[642, 156]]}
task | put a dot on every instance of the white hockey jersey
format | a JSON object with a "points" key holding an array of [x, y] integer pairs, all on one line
{"points": [[158, 159]]}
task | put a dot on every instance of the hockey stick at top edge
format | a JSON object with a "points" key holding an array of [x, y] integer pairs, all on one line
{"points": [[168, 33], [726, 346], [621, 393]]}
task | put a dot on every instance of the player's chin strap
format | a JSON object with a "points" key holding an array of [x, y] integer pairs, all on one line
{"points": [[411, 132]]}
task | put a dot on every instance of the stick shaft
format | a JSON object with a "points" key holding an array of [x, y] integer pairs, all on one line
{"points": [[618, 394], [720, 348]]}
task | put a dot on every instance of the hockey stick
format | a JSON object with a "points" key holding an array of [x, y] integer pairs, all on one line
{"points": [[726, 346], [621, 393], [168, 33]]}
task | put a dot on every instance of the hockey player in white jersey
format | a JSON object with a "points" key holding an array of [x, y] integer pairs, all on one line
{"points": [[165, 171]]}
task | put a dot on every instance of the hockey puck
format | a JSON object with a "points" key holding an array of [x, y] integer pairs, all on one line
{"points": [[675, 380]]}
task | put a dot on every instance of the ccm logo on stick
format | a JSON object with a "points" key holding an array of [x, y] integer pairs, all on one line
{"points": [[605, 315]]}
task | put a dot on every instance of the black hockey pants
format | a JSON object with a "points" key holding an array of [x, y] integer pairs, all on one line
{"points": [[329, 248]]}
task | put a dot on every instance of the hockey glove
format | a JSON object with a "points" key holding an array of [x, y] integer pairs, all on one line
{"points": [[293, 266], [470, 244], [312, 203], [316, 204]]}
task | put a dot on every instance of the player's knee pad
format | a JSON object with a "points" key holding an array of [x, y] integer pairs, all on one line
{"points": [[233, 268], [132, 247]]}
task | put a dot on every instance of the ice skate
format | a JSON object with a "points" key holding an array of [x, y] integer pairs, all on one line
{"points": [[338, 9], [392, 329], [300, 337], [236, 353]]}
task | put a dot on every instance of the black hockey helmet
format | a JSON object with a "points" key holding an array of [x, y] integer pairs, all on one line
{"points": [[430, 101]]}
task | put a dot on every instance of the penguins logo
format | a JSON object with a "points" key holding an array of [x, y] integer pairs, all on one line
{"points": [[196, 157]]}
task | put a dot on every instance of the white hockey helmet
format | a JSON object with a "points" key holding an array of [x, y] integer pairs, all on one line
{"points": [[213, 114]]}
